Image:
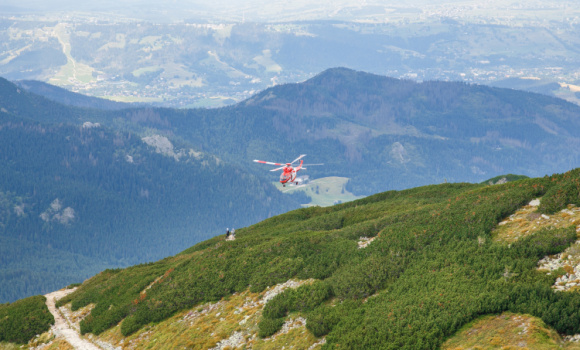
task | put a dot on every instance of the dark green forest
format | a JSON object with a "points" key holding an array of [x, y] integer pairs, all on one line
{"points": [[432, 268], [76, 200]]}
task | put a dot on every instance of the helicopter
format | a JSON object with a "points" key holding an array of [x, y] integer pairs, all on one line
{"points": [[288, 175]]}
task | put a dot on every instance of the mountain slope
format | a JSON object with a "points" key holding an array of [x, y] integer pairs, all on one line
{"points": [[29, 268], [77, 199], [387, 124], [380, 132], [385, 133], [430, 268]]}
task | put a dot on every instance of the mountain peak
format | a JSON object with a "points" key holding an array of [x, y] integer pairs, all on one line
{"points": [[346, 75]]}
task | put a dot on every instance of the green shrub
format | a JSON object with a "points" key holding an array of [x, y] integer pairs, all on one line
{"points": [[359, 281], [24, 319], [269, 326], [323, 319], [566, 191], [304, 298]]}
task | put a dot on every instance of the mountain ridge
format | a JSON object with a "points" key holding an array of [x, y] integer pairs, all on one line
{"points": [[370, 128], [437, 241], [69, 98]]}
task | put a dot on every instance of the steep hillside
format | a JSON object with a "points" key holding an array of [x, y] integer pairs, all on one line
{"points": [[430, 265], [77, 199], [21, 103]]}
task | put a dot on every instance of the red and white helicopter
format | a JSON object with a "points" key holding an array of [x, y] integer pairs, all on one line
{"points": [[288, 171]]}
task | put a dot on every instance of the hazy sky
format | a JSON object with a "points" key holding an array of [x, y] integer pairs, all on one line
{"points": [[252, 10], [229, 11]]}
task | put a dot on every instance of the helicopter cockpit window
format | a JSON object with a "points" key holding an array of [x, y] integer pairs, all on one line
{"points": [[284, 176]]}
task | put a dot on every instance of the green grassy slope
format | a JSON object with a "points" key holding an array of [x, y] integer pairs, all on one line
{"points": [[431, 269]]}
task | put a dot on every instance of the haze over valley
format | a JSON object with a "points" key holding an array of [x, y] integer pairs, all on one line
{"points": [[192, 54]]}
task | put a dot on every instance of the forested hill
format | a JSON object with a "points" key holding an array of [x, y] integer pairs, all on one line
{"points": [[398, 132], [382, 133], [66, 97], [431, 110], [75, 199], [21, 103], [397, 270]]}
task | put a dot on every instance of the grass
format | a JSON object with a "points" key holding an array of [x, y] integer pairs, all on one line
{"points": [[152, 43], [568, 93], [10, 346], [143, 70], [45, 341], [323, 192], [119, 44], [527, 220], [59, 344], [507, 331], [204, 326], [266, 61]]}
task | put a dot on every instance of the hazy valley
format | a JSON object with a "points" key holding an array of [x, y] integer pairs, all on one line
{"points": [[196, 62]]}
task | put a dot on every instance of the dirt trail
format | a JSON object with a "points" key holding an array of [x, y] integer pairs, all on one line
{"points": [[61, 326]]}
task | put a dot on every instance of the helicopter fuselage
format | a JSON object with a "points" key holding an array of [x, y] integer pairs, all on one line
{"points": [[289, 173]]}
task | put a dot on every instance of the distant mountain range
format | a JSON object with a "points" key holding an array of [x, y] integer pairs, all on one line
{"points": [[382, 133], [142, 182]]}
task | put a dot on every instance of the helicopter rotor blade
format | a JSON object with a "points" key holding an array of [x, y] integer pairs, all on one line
{"points": [[297, 159], [280, 168], [303, 165], [263, 162]]}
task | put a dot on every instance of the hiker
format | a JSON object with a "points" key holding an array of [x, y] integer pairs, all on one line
{"points": [[228, 233], [233, 233]]}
